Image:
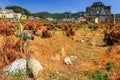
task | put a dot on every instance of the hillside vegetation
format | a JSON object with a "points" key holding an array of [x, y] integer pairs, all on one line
{"points": [[18, 9], [66, 15]]}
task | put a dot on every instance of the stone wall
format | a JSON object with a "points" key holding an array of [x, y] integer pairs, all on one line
{"points": [[99, 10]]}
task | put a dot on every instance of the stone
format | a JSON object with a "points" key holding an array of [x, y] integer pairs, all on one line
{"points": [[39, 32], [67, 61], [82, 41], [19, 65], [92, 43], [35, 67], [73, 58]]}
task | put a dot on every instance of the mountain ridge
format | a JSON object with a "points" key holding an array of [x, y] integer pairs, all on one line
{"points": [[46, 14]]}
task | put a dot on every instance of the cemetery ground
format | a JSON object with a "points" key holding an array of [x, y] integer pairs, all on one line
{"points": [[82, 56]]}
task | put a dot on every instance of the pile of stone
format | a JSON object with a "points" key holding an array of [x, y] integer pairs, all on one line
{"points": [[69, 60], [22, 65]]}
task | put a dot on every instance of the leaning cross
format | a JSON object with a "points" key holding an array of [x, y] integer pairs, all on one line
{"points": [[23, 37]]}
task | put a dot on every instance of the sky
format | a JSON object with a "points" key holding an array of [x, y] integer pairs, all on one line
{"points": [[59, 6]]}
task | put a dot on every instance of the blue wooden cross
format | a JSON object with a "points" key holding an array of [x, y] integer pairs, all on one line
{"points": [[25, 36]]}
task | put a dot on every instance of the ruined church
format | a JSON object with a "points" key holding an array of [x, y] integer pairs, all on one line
{"points": [[98, 12]]}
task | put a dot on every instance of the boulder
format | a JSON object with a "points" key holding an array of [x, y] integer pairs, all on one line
{"points": [[19, 65], [67, 61], [82, 41], [35, 67]]}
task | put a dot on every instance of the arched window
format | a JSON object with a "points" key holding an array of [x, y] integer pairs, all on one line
{"points": [[106, 20], [15, 16], [3, 16], [97, 12]]}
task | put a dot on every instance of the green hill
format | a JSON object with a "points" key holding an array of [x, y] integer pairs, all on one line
{"points": [[18, 9], [66, 15], [59, 15]]}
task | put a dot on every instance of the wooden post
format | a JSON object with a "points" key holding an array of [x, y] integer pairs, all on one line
{"points": [[34, 29], [21, 38], [114, 19]]}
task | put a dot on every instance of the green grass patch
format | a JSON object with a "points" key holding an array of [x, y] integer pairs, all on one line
{"points": [[59, 51], [51, 60], [101, 75], [18, 76], [110, 66]]}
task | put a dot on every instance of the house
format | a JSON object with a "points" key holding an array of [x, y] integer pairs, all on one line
{"points": [[81, 19], [9, 14], [50, 19], [31, 17], [70, 19], [98, 12], [37, 18]]}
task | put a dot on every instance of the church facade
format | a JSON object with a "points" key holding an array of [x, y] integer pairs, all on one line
{"points": [[98, 12]]}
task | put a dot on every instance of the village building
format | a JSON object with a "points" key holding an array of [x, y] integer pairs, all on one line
{"points": [[98, 12], [9, 14], [70, 19], [31, 17], [37, 18], [50, 19], [81, 19]]}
